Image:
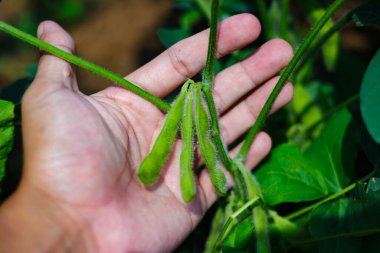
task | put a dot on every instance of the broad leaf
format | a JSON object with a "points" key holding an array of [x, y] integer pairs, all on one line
{"points": [[329, 221], [288, 177], [334, 152], [6, 133], [369, 97], [325, 167], [340, 225], [239, 235]]}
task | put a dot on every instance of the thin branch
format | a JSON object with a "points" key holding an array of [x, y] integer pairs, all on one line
{"points": [[84, 64], [307, 209]]}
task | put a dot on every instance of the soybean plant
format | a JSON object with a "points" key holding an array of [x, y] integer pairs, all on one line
{"points": [[203, 113]]}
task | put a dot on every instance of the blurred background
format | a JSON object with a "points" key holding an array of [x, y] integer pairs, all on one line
{"points": [[117, 34], [121, 35]]}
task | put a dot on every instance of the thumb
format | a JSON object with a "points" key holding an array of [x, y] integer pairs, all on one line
{"points": [[54, 73]]}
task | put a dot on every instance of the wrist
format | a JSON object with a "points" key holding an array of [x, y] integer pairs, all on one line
{"points": [[31, 222]]}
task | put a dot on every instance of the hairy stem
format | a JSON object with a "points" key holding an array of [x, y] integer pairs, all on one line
{"points": [[307, 209], [84, 64], [207, 85], [208, 72], [284, 77]]}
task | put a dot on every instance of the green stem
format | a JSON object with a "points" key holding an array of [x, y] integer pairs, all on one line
{"points": [[204, 5], [207, 84], [284, 77], [220, 146], [307, 209], [322, 39], [331, 112], [208, 72], [215, 130], [84, 64]]}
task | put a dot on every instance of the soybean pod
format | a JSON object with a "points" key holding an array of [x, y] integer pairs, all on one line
{"points": [[187, 180], [206, 146], [153, 163]]}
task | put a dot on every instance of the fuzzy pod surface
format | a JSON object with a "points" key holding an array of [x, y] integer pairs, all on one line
{"points": [[206, 146], [153, 163]]}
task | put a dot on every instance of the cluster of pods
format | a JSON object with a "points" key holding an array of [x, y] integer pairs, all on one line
{"points": [[188, 110]]}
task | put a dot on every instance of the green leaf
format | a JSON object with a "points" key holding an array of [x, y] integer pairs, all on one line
{"points": [[288, 177], [329, 220], [334, 152], [341, 225], [325, 167], [6, 133], [239, 235], [169, 36], [369, 97], [367, 14]]}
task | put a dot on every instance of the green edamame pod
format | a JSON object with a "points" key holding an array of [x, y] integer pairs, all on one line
{"points": [[208, 151], [187, 180], [151, 166]]}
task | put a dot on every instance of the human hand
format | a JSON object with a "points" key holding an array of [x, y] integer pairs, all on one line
{"points": [[82, 152]]}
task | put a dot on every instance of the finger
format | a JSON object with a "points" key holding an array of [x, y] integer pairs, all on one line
{"points": [[241, 118], [54, 73], [258, 151], [186, 58], [241, 78]]}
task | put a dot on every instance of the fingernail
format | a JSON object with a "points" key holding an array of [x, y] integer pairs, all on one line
{"points": [[40, 31]]}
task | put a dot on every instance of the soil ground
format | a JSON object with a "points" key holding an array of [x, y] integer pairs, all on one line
{"points": [[114, 34]]}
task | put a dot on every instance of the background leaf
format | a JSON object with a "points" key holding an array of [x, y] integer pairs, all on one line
{"points": [[343, 225], [369, 97], [325, 167], [6, 133], [239, 235]]}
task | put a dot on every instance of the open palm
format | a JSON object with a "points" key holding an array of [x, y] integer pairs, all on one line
{"points": [[82, 152]]}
